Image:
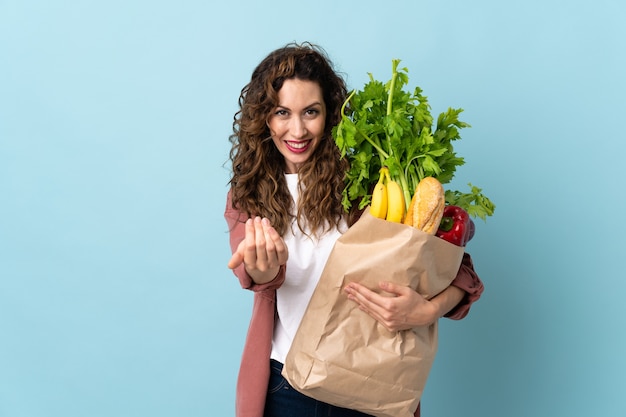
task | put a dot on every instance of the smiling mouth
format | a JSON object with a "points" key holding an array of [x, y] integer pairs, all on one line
{"points": [[298, 146]]}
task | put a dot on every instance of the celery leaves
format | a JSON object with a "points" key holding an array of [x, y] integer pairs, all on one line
{"points": [[385, 125]]}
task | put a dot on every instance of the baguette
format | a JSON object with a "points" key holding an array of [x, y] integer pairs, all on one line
{"points": [[426, 207]]}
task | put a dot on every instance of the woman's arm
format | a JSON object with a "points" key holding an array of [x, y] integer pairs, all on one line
{"points": [[467, 280], [259, 253], [407, 309]]}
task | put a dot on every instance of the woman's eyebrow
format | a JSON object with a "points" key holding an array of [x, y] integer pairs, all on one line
{"points": [[316, 103]]}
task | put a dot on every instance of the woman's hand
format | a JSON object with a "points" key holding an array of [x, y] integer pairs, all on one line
{"points": [[262, 251], [403, 308]]}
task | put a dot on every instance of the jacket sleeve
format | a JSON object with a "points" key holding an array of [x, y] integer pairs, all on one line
{"points": [[466, 279], [236, 222]]}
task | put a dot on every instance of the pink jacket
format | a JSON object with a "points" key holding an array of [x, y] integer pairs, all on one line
{"points": [[254, 371]]}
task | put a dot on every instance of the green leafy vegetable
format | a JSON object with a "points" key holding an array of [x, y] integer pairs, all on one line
{"points": [[384, 125]]}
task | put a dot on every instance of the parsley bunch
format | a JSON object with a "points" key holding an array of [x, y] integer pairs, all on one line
{"points": [[384, 125]]}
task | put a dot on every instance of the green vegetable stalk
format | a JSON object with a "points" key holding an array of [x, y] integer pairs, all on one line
{"points": [[384, 125]]}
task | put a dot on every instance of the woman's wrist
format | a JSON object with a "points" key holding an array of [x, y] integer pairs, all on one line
{"points": [[263, 277], [446, 301]]}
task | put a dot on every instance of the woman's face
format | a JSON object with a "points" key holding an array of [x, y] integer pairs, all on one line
{"points": [[297, 123]]}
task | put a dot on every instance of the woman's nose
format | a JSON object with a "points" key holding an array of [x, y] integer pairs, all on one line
{"points": [[298, 128]]}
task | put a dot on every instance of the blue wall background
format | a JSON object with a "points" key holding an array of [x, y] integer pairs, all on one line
{"points": [[114, 116]]}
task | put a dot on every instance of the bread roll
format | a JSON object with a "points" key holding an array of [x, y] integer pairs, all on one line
{"points": [[426, 208]]}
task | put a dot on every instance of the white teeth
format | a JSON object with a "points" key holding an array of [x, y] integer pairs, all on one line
{"points": [[298, 145]]}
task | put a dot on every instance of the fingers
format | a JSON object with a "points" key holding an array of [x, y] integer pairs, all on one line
{"points": [[390, 310], [257, 251], [394, 289], [262, 247], [243, 251], [235, 260], [367, 299], [278, 247]]}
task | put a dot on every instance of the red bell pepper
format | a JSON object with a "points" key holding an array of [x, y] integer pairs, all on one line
{"points": [[456, 226]]}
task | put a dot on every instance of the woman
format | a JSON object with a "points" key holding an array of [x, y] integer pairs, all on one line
{"points": [[284, 214]]}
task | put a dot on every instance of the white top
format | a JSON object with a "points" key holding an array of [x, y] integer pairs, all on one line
{"points": [[307, 258]]}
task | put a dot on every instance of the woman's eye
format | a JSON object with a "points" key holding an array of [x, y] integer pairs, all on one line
{"points": [[280, 112], [312, 112]]}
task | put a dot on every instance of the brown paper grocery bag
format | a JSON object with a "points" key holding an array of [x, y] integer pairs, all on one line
{"points": [[341, 355]]}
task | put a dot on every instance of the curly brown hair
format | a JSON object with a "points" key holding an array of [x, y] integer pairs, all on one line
{"points": [[258, 184]]}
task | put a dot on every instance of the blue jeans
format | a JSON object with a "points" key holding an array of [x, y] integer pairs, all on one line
{"points": [[284, 401]]}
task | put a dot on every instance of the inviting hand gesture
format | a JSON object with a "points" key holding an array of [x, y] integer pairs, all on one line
{"points": [[262, 251]]}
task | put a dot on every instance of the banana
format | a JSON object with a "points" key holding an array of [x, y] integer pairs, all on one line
{"points": [[395, 202], [396, 205], [378, 208]]}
